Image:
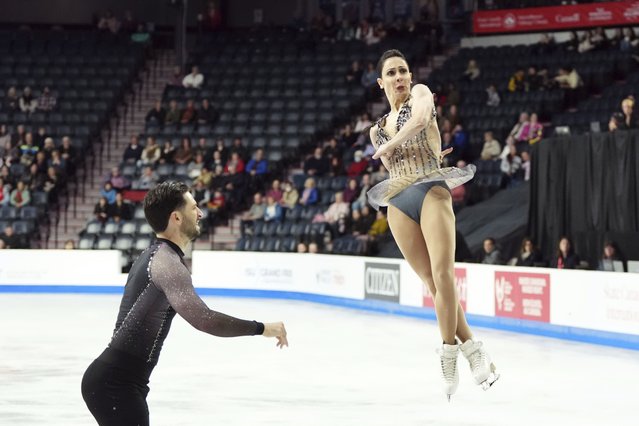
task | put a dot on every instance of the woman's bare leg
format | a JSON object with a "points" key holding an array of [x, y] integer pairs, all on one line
{"points": [[415, 251]]}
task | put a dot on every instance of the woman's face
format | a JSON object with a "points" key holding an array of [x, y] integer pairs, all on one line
{"points": [[609, 251], [564, 245], [396, 77], [528, 246], [352, 184]]}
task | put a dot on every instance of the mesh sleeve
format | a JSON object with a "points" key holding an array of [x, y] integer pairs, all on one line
{"points": [[174, 280]]}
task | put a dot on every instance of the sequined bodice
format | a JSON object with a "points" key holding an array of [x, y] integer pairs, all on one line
{"points": [[414, 157]]}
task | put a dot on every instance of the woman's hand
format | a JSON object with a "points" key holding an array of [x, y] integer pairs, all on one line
{"points": [[384, 150]]}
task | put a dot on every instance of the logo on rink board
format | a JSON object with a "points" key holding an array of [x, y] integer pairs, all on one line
{"points": [[381, 281], [461, 283], [522, 295]]}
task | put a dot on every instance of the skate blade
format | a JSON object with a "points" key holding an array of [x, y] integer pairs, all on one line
{"points": [[492, 378]]}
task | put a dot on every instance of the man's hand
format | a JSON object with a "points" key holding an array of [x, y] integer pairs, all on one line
{"points": [[276, 329]]}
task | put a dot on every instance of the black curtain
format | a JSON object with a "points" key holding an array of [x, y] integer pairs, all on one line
{"points": [[586, 187]]}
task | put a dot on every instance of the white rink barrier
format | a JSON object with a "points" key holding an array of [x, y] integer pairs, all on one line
{"points": [[589, 306]]}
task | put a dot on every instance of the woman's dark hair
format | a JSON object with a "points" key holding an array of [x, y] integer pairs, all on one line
{"points": [[571, 250], [393, 53], [523, 244], [161, 201]]}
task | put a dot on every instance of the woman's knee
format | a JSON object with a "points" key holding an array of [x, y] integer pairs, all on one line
{"points": [[444, 279]]}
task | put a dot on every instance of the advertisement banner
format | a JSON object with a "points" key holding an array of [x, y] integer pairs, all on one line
{"points": [[381, 281], [461, 283], [522, 295], [556, 17]]}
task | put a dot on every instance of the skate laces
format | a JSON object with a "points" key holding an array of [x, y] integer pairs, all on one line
{"points": [[476, 358], [449, 365]]}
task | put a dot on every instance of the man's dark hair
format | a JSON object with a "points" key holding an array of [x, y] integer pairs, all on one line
{"points": [[393, 53], [161, 201]]}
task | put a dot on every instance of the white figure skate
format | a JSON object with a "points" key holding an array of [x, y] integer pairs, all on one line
{"points": [[483, 370], [450, 373]]}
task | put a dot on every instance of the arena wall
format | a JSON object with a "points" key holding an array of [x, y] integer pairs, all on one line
{"points": [[588, 306]]}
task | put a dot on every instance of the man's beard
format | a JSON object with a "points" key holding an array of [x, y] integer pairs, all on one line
{"points": [[191, 230]]}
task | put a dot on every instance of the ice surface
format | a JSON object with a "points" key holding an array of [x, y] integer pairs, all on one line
{"points": [[343, 367]]}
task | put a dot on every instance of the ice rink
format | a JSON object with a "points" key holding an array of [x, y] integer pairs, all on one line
{"points": [[343, 367]]}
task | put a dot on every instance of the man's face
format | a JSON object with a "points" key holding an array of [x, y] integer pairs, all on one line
{"points": [[488, 246], [191, 216]]}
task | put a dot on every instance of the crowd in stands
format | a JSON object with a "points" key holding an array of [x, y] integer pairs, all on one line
{"points": [[564, 257]]}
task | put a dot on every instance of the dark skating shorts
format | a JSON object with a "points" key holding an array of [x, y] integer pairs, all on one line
{"points": [[411, 199]]}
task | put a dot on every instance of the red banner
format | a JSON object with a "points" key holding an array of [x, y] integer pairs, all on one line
{"points": [[460, 282], [522, 295], [556, 17]]}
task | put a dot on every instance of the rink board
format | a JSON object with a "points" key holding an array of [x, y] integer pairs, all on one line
{"points": [[589, 306]]}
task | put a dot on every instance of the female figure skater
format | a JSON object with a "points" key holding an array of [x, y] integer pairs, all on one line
{"points": [[420, 212]]}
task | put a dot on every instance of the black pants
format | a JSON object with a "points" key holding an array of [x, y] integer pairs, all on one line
{"points": [[114, 387]]}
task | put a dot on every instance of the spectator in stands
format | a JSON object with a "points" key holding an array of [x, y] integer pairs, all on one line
{"points": [[256, 212], [157, 114], [6, 176], [5, 137], [360, 199], [532, 81], [525, 165], [313, 248], [317, 164], [193, 80], [207, 113], [109, 23], [120, 210], [20, 196], [491, 148], [217, 208], [453, 97], [490, 253], [356, 225], [565, 258], [369, 77], [58, 163], [336, 167], [625, 119], [28, 150], [351, 191], [101, 210], [52, 184], [11, 240], [41, 136], [173, 115], [177, 77], [108, 192], [338, 211], [345, 32], [212, 18], [46, 101], [453, 116], [516, 82], [224, 152], [27, 102], [310, 195], [545, 46], [133, 152], [599, 39], [151, 152], [17, 138], [379, 226], [272, 211], [364, 31], [460, 140], [48, 148], [167, 155], [236, 162], [184, 154], [11, 101], [301, 248], [510, 166], [201, 194], [5, 194], [68, 153], [458, 193], [611, 253], [148, 179], [568, 78], [275, 191], [528, 254], [354, 73], [516, 133], [535, 129], [472, 71], [493, 99], [234, 186], [216, 160], [290, 196], [195, 167], [363, 123], [118, 182], [206, 176], [257, 166], [629, 40], [189, 113], [34, 180], [380, 175], [572, 44], [358, 166], [585, 43], [239, 148], [3, 245]]}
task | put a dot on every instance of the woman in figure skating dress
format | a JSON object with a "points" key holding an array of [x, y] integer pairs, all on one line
{"points": [[420, 212]]}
